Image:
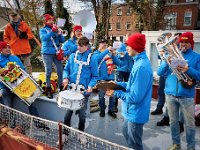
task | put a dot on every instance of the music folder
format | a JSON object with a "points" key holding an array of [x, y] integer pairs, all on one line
{"points": [[109, 85]]}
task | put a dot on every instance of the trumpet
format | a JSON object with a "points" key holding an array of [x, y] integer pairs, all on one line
{"points": [[169, 51], [120, 54], [63, 32], [114, 52]]}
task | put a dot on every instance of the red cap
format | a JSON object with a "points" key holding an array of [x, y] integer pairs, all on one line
{"points": [[77, 27], [137, 42], [47, 17], [3, 45], [187, 37]]}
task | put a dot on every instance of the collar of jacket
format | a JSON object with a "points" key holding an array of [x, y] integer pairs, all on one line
{"points": [[139, 55], [2, 57], [188, 51]]}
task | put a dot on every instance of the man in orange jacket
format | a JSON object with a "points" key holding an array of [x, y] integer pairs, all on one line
{"points": [[17, 34]]}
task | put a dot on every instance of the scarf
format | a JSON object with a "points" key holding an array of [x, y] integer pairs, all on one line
{"points": [[15, 26], [109, 64]]}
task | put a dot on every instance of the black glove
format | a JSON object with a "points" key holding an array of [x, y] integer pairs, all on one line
{"points": [[23, 35]]}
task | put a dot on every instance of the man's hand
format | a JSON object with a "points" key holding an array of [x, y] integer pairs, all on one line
{"points": [[110, 93], [89, 90], [23, 35], [55, 28], [111, 50], [65, 83], [183, 68]]}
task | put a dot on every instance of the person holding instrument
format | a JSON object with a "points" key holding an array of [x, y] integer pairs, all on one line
{"points": [[178, 95], [51, 39], [85, 76]]}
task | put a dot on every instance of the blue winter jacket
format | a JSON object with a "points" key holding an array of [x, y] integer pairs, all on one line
{"points": [[70, 46], [173, 86], [136, 100], [89, 74], [102, 67], [126, 62], [47, 45], [10, 58]]}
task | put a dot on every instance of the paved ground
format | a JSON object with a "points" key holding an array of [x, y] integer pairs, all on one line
{"points": [[154, 138]]}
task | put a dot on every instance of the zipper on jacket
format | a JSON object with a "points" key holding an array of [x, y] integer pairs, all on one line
{"points": [[176, 87]]}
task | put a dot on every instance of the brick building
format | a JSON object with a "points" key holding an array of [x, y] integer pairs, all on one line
{"points": [[182, 15], [122, 21]]}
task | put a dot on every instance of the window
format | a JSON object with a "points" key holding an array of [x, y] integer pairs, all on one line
{"points": [[187, 18], [128, 26], [118, 26], [119, 11], [129, 11], [170, 20], [109, 26]]}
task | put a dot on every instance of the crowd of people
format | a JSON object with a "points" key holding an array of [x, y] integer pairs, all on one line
{"points": [[134, 73]]}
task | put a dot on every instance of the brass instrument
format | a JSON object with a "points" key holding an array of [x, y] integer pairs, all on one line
{"points": [[169, 51], [63, 32], [120, 54]]}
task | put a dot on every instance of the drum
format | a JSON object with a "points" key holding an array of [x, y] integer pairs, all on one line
{"points": [[70, 100]]}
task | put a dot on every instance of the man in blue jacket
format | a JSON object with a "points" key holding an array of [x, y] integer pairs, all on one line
{"points": [[70, 46], [179, 96], [106, 63], [136, 100], [88, 78]]}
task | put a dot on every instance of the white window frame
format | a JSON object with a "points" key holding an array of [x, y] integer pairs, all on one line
{"points": [[119, 11], [119, 24], [127, 25], [170, 21], [188, 15], [129, 11]]}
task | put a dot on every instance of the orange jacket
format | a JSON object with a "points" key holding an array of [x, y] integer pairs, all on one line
{"points": [[18, 46]]}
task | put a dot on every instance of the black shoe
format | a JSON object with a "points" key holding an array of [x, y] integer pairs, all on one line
{"points": [[157, 112], [49, 93], [181, 127], [163, 122], [102, 114], [112, 114], [115, 109]]}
